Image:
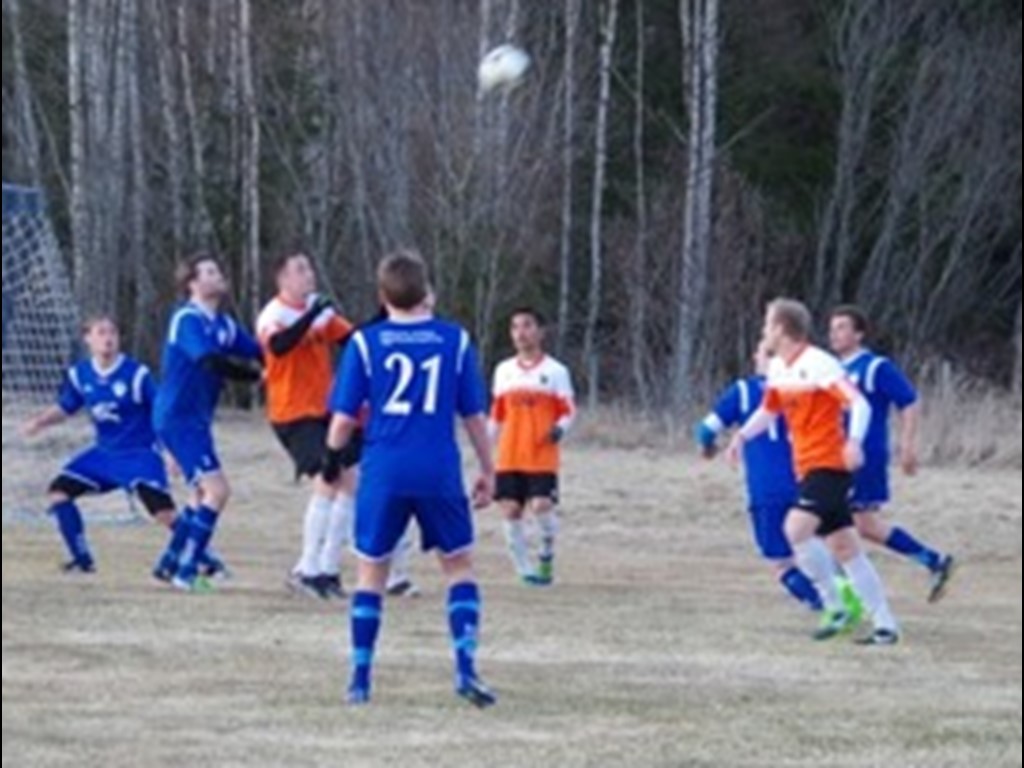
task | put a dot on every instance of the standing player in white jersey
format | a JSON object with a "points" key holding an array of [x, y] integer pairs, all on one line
{"points": [[418, 375], [532, 409], [886, 387]]}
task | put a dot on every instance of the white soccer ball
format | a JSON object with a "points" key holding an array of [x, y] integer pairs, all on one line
{"points": [[503, 66]]}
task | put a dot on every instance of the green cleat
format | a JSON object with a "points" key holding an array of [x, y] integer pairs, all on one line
{"points": [[833, 624], [852, 604], [546, 569]]}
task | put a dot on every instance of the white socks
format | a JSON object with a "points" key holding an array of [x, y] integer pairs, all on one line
{"points": [[515, 537], [314, 530], [868, 585], [339, 530], [547, 522], [814, 559]]}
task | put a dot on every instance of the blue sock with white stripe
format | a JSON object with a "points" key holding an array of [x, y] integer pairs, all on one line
{"points": [[800, 586], [201, 527], [903, 543], [365, 617], [176, 544], [464, 623], [72, 530]]}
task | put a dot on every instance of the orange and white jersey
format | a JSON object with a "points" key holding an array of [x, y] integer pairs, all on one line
{"points": [[529, 401], [812, 392], [299, 382]]}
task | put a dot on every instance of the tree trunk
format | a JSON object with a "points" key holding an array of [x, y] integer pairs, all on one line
{"points": [[80, 230], [175, 149], [638, 288], [591, 350], [1017, 352], [572, 19], [250, 172], [24, 101]]}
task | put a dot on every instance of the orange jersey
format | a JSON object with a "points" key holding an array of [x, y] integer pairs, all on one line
{"points": [[812, 393], [529, 402], [299, 382]]}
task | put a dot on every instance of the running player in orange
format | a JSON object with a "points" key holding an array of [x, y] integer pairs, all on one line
{"points": [[809, 388], [299, 331], [533, 407]]}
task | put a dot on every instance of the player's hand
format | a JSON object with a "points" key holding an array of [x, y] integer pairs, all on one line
{"points": [[322, 303], [909, 461], [556, 434], [734, 453], [708, 450], [853, 455], [172, 466], [30, 429], [483, 491]]}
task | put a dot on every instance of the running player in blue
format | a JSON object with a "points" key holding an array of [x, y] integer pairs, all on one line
{"points": [[771, 483], [417, 375], [117, 392], [204, 347], [885, 386]]}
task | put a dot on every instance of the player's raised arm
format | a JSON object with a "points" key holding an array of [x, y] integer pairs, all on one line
{"points": [[70, 400]]}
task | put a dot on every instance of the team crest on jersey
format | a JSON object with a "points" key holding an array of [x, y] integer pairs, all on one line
{"points": [[120, 389]]}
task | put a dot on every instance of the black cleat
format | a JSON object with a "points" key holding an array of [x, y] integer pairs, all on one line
{"points": [[476, 693], [311, 586], [330, 584], [403, 588], [78, 565], [941, 577], [880, 637]]}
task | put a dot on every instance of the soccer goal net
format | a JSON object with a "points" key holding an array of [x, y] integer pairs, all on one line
{"points": [[40, 335]]}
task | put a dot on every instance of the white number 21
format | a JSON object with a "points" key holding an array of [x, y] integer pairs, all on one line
{"points": [[399, 404]]}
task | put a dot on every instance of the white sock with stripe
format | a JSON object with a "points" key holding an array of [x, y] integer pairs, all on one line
{"points": [[314, 530], [868, 584]]}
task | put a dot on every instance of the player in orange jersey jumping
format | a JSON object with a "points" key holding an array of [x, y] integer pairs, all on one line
{"points": [[533, 407], [809, 388]]}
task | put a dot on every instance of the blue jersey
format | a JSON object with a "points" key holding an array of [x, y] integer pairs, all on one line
{"points": [[415, 377], [189, 392], [884, 385], [768, 458], [119, 401]]}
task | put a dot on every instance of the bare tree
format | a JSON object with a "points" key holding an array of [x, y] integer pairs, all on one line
{"points": [[591, 350], [572, 22], [24, 119], [169, 110], [81, 239], [1017, 354], [250, 159]]}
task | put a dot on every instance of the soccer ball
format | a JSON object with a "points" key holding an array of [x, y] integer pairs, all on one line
{"points": [[503, 66]]}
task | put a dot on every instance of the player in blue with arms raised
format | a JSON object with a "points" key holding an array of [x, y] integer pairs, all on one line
{"points": [[417, 374], [886, 387], [204, 346], [771, 482], [117, 392]]}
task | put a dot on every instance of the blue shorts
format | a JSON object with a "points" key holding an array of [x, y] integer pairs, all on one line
{"points": [[767, 520], [445, 523], [103, 471], [870, 488], [193, 451]]}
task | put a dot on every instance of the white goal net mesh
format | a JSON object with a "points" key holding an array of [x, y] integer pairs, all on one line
{"points": [[40, 336]]}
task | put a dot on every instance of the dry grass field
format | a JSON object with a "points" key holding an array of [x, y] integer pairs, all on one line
{"points": [[662, 644]]}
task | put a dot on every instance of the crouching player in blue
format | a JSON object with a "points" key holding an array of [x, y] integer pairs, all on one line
{"points": [[204, 346], [117, 392], [771, 482], [417, 374]]}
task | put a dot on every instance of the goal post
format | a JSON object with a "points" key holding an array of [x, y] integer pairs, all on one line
{"points": [[40, 340]]}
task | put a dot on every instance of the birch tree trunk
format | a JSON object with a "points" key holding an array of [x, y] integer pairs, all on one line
{"points": [[638, 291], [175, 150], [591, 350], [250, 173], [80, 230], [24, 100]]}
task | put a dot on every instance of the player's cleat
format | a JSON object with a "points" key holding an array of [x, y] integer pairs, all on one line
{"points": [[534, 580], [941, 577], [833, 624], [357, 696], [330, 584], [546, 569], [215, 569], [880, 637], [200, 585], [163, 573], [475, 692], [310, 586], [403, 588], [78, 565], [851, 601]]}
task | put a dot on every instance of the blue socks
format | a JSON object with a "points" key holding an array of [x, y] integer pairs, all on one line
{"points": [[901, 542], [72, 530], [802, 588], [168, 562], [464, 623], [365, 617], [200, 529]]}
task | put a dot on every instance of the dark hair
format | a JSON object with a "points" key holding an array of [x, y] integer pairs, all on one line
{"points": [[281, 263], [793, 316], [857, 316], [187, 270], [528, 311], [402, 279], [91, 321]]}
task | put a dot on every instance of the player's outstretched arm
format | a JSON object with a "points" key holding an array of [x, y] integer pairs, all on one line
{"points": [[756, 425], [483, 488], [910, 419], [50, 417]]}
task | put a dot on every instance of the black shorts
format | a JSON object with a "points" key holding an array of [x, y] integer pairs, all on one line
{"points": [[521, 487], [305, 441], [825, 493]]}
